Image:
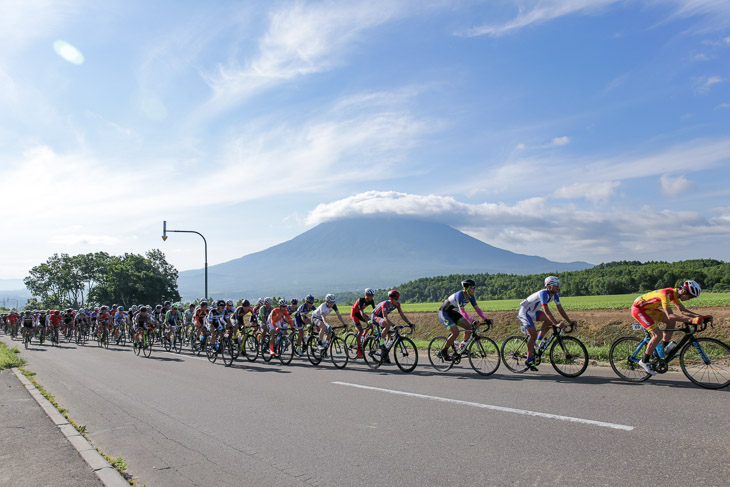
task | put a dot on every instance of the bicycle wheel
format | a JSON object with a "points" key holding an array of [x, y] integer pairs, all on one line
{"points": [[569, 359], [434, 351], [146, 346], [250, 348], [314, 354], [210, 351], [351, 339], [265, 349], [226, 351], [624, 358], [371, 352], [236, 347], [339, 352], [706, 362], [483, 356], [166, 343], [136, 347], [405, 354], [177, 343], [122, 337], [285, 350], [514, 353]]}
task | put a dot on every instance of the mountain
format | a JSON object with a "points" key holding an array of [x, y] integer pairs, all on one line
{"points": [[345, 255]]}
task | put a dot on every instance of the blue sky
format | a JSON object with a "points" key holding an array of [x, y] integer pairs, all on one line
{"points": [[576, 130]]}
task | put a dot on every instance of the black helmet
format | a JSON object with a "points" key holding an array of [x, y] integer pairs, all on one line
{"points": [[221, 302], [468, 283], [246, 303]]}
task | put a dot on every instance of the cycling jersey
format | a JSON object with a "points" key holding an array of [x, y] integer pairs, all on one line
{"points": [[279, 316], [218, 319], [55, 320], [172, 319], [531, 307], [304, 309], [264, 312], [356, 312], [382, 309], [323, 311], [68, 318], [649, 308]]}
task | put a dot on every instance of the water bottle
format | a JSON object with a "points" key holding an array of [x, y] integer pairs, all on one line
{"points": [[660, 351], [389, 343]]}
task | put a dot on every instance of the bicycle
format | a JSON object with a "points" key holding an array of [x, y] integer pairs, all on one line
{"points": [[567, 354], [54, 336], [352, 338], [102, 338], [405, 352], [704, 361], [250, 343], [482, 352], [142, 343]]}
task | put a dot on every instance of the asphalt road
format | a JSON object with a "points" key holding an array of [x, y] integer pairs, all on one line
{"points": [[178, 420]]}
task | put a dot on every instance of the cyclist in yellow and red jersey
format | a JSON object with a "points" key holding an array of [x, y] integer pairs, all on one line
{"points": [[199, 316], [358, 318], [654, 307]]}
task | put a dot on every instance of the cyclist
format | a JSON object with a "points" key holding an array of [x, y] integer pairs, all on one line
{"points": [[68, 322], [278, 319], [54, 321], [173, 320], [380, 316], [81, 322], [452, 314], [218, 319], [199, 316], [301, 318], [362, 324], [535, 308], [143, 321], [654, 307], [263, 317], [29, 323], [104, 321], [238, 318], [319, 314]]}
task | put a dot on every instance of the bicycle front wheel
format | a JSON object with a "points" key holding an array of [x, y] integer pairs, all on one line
{"points": [[434, 352], [706, 362], [226, 351], [405, 354], [624, 358], [514, 353], [339, 352], [146, 347], [351, 339], [484, 356], [285, 350], [136, 347], [177, 343], [569, 356], [250, 347], [371, 352]]}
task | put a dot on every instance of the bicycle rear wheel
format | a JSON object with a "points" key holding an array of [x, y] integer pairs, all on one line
{"points": [[351, 339], [706, 362], [483, 356], [136, 347], [569, 358], [514, 353], [434, 351], [339, 352], [624, 358], [105, 339], [226, 351], [146, 346], [371, 352], [405, 354], [265, 349]]}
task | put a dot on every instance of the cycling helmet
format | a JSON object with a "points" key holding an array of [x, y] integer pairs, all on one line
{"points": [[134, 307], [57, 312], [167, 303], [468, 283], [261, 301], [114, 306], [294, 301], [369, 291], [692, 288], [552, 281], [282, 302], [204, 303], [268, 301], [393, 294], [309, 298], [143, 309], [220, 303], [104, 308], [159, 306], [121, 308], [229, 303], [96, 308], [246, 303], [330, 298]]}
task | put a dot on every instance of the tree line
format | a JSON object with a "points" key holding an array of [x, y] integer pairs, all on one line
{"points": [[99, 278], [621, 277]]}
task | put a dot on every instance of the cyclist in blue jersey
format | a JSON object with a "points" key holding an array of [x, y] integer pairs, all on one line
{"points": [[535, 308], [301, 318], [452, 314]]}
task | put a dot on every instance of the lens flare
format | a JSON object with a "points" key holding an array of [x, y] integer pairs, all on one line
{"points": [[68, 52]]}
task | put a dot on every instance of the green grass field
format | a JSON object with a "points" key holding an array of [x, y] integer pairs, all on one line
{"points": [[615, 301]]}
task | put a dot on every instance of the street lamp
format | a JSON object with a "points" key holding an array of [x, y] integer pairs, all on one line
{"points": [[164, 237]]}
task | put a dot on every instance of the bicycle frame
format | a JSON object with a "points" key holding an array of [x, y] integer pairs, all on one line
{"points": [[660, 363]]}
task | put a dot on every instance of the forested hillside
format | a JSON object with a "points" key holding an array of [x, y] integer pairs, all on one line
{"points": [[611, 278]]}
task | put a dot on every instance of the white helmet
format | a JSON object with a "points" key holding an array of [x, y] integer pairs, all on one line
{"points": [[552, 281], [692, 288], [330, 298], [267, 301], [369, 291]]}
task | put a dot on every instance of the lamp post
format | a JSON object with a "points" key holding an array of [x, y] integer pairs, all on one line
{"points": [[205, 242]]}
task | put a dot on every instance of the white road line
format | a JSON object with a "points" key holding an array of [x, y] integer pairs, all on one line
{"points": [[494, 408], [185, 356]]}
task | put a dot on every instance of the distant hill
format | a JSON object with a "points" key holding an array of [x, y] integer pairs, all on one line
{"points": [[351, 254]]}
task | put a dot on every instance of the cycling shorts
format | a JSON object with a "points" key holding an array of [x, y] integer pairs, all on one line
{"points": [[320, 323], [647, 318], [279, 324], [358, 318], [528, 319], [450, 317]]}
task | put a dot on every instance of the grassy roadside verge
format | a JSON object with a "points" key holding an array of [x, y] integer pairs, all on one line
{"points": [[10, 357]]}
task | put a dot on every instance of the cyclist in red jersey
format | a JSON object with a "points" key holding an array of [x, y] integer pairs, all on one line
{"points": [[362, 324]]}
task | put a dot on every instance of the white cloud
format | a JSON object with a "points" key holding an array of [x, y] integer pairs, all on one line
{"points": [[560, 141], [597, 192], [703, 84], [76, 239], [538, 12], [675, 186], [537, 225], [723, 105]]}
